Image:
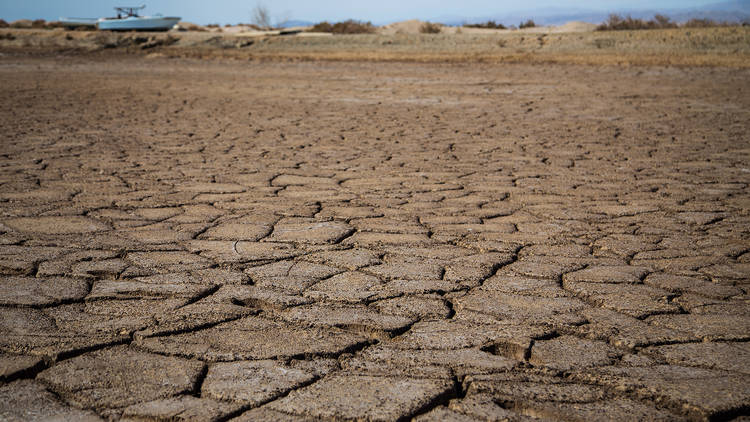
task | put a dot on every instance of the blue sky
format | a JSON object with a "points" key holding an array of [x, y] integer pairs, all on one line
{"points": [[381, 11]]}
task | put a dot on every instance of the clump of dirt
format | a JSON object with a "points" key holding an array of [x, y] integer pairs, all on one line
{"points": [[405, 27]]}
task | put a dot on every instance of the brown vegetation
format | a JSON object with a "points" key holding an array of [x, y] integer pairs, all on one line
{"points": [[346, 27], [528, 24], [430, 28], [485, 25], [21, 24], [3, 24], [617, 22]]}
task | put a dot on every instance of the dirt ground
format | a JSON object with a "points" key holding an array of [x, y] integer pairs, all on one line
{"points": [[209, 240]]}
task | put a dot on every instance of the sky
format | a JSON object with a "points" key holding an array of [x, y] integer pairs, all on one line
{"points": [[378, 12]]}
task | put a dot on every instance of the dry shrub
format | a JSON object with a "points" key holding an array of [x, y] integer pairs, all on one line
{"points": [[617, 22], [322, 27], [430, 28], [347, 27], [3, 24], [663, 22], [528, 24], [486, 25], [38, 23]]}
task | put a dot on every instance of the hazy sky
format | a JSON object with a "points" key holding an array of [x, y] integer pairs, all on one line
{"points": [[380, 11]]}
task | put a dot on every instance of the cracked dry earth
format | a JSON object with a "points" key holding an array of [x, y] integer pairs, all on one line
{"points": [[186, 240]]}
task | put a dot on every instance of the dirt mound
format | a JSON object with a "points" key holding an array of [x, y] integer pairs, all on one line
{"points": [[569, 27], [405, 27], [240, 28], [576, 26], [189, 26], [22, 24]]}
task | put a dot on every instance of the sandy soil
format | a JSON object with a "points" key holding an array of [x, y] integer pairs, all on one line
{"points": [[210, 239]]}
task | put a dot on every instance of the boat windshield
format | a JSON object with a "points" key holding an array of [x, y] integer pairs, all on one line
{"points": [[128, 11]]}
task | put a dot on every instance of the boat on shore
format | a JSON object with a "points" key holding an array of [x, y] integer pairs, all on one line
{"points": [[128, 19]]}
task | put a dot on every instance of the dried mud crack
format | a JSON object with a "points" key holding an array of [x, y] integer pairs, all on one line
{"points": [[215, 240]]}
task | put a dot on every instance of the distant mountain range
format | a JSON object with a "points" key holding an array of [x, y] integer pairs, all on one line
{"points": [[729, 11]]}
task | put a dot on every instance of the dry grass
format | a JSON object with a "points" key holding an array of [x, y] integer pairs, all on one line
{"points": [[706, 23], [726, 46], [702, 46]]}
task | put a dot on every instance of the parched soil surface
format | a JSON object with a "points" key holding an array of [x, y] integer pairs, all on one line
{"points": [[193, 240]]}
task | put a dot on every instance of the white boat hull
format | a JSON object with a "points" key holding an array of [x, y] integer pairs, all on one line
{"points": [[138, 23], [78, 21]]}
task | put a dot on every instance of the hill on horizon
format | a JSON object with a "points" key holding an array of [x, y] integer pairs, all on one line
{"points": [[726, 11], [729, 11]]}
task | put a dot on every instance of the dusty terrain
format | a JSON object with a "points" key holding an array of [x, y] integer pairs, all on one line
{"points": [[728, 47], [204, 240]]}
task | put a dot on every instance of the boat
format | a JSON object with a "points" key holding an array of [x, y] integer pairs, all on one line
{"points": [[128, 19]]}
